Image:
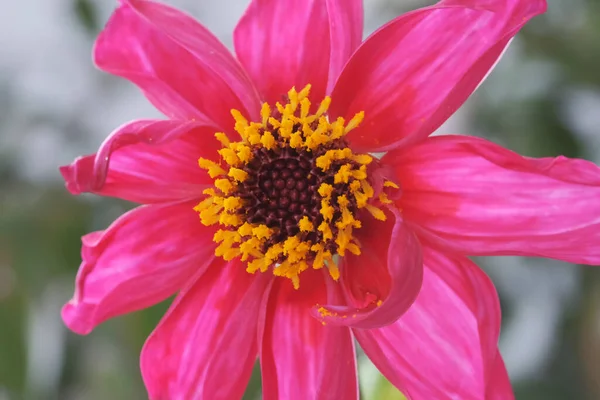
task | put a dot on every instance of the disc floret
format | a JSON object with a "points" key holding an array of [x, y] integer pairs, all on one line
{"points": [[288, 194]]}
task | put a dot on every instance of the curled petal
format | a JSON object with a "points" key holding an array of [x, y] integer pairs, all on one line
{"points": [[417, 70], [144, 257], [445, 345], [205, 346], [382, 282], [146, 161], [300, 357], [283, 44], [475, 197], [182, 68]]}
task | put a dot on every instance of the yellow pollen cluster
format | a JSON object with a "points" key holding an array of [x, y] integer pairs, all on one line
{"points": [[343, 190]]}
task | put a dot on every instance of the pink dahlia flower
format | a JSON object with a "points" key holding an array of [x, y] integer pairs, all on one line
{"points": [[284, 239]]}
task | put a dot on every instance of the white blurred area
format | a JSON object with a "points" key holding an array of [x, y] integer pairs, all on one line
{"points": [[54, 106]]}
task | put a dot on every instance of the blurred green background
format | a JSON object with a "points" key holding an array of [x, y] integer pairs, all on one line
{"points": [[542, 100]]}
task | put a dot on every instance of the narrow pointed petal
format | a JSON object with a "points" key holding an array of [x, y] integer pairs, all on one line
{"points": [[301, 358], [475, 197], [345, 32], [445, 345], [180, 66], [382, 282], [417, 70], [146, 161], [144, 257], [205, 346], [285, 43]]}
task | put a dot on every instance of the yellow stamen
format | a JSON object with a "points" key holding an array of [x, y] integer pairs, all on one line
{"points": [[250, 170]]}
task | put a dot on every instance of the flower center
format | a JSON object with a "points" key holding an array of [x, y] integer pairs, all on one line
{"points": [[288, 194]]}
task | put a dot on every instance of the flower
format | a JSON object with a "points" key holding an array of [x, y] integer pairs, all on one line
{"points": [[283, 237]]}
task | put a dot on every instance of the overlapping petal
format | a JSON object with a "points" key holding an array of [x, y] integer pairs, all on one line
{"points": [[182, 68], [445, 345], [144, 257], [301, 358], [283, 44], [417, 70], [475, 197], [205, 346], [146, 161], [381, 283]]}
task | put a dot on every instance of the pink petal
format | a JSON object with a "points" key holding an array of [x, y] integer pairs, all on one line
{"points": [[205, 346], [345, 32], [141, 259], [283, 44], [301, 358], [382, 282], [498, 387], [444, 347], [477, 198], [417, 70], [146, 161], [182, 68]]}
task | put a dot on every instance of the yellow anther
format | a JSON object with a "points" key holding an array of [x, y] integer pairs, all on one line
{"points": [[324, 227], [354, 186], [212, 167], [304, 92], [231, 254], [343, 174], [362, 158], [262, 232], [353, 248], [343, 238], [268, 140], [390, 184], [221, 137], [360, 173], [238, 174], [355, 121], [376, 212], [337, 130], [305, 225], [230, 219], [252, 134], [324, 106], [244, 153], [342, 201], [232, 203], [326, 210], [334, 271], [224, 185], [296, 140], [274, 252], [229, 156], [361, 199], [324, 161], [367, 188], [325, 190], [384, 199], [304, 108], [210, 216], [286, 128], [241, 123], [293, 96], [245, 229], [265, 113]]}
